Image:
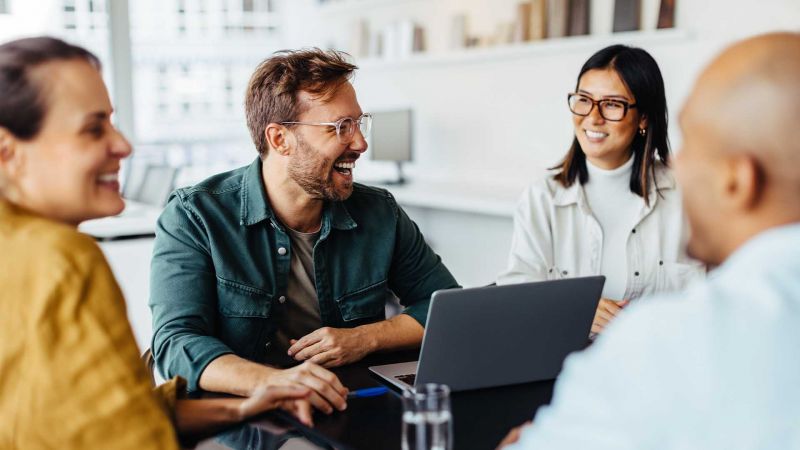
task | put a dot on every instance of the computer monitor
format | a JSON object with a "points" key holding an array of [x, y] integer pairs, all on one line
{"points": [[391, 139]]}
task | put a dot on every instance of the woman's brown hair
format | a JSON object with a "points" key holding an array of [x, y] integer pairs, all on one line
{"points": [[22, 99]]}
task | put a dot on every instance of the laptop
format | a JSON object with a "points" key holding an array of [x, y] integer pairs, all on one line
{"points": [[500, 335]]}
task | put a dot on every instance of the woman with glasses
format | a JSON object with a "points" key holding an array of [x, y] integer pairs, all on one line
{"points": [[70, 374], [611, 207]]}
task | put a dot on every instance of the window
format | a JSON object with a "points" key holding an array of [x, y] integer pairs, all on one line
{"points": [[192, 60]]}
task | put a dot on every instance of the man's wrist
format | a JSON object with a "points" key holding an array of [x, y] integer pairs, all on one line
{"points": [[262, 375], [370, 336]]}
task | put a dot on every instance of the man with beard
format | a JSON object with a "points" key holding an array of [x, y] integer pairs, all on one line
{"points": [[287, 260], [716, 367]]}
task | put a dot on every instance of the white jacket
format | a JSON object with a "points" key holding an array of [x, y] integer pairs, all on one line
{"points": [[556, 236]]}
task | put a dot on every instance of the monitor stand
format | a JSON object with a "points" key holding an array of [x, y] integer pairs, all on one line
{"points": [[400, 178]]}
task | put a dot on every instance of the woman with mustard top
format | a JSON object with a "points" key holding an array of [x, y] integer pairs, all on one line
{"points": [[70, 374], [611, 207]]}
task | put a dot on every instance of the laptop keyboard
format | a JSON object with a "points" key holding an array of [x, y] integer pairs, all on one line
{"points": [[407, 379]]}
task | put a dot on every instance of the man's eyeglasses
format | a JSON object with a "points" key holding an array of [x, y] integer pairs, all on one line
{"points": [[345, 127], [613, 110]]}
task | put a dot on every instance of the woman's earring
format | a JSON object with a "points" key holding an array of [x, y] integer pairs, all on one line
{"points": [[642, 131]]}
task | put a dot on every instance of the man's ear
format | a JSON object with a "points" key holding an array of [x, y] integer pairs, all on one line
{"points": [[745, 182], [279, 139]]}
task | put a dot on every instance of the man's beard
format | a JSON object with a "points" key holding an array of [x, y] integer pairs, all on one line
{"points": [[314, 173]]}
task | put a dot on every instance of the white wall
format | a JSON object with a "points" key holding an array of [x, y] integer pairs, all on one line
{"points": [[502, 119], [496, 117]]}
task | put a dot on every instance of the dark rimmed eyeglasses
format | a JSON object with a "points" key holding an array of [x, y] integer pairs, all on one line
{"points": [[613, 110], [345, 127]]}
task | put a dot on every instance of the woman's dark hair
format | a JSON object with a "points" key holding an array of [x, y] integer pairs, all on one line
{"points": [[22, 104], [640, 72]]}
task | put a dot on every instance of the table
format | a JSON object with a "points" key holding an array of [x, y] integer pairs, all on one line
{"points": [[138, 220], [481, 418]]}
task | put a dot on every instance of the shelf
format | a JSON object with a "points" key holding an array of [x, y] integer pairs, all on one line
{"points": [[351, 6], [508, 52]]}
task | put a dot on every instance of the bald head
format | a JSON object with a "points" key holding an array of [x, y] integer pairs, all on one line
{"points": [[740, 161], [748, 100]]}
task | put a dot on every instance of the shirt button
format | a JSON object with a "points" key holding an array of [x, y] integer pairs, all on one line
{"points": [[282, 298], [636, 273], [266, 346], [634, 230], [661, 263], [564, 272], [282, 251]]}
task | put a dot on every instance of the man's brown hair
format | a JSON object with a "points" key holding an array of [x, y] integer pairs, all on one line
{"points": [[273, 91]]}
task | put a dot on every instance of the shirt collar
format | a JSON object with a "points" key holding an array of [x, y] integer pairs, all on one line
{"points": [[255, 204], [256, 207]]}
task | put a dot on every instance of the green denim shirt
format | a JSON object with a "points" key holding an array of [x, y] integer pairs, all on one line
{"points": [[221, 258]]}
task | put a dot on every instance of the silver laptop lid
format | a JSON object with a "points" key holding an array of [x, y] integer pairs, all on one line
{"points": [[502, 335]]}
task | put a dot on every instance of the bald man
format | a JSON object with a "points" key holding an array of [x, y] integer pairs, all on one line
{"points": [[717, 367]]}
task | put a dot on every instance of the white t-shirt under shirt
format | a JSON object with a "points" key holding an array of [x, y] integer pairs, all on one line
{"points": [[616, 208]]}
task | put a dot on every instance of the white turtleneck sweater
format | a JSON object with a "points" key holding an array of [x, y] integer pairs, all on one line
{"points": [[616, 208]]}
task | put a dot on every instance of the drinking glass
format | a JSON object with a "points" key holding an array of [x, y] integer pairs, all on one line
{"points": [[427, 421]]}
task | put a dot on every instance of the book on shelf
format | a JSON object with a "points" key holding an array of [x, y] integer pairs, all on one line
{"points": [[602, 17], [627, 14], [578, 24], [419, 39], [666, 14], [557, 15], [522, 23], [538, 19], [458, 31], [360, 38]]}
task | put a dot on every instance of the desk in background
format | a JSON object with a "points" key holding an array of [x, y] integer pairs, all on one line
{"points": [[138, 220]]}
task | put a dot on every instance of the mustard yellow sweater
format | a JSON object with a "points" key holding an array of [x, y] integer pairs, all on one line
{"points": [[70, 373]]}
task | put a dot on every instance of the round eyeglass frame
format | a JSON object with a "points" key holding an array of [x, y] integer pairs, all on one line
{"points": [[364, 122]]}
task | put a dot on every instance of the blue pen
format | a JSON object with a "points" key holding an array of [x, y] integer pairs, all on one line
{"points": [[368, 392]]}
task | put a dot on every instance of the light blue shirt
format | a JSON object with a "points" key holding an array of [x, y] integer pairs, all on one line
{"points": [[716, 367]]}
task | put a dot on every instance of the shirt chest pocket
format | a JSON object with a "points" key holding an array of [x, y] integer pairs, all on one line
{"points": [[244, 313], [364, 305]]}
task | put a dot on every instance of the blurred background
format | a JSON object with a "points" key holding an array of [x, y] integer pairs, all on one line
{"points": [[469, 95]]}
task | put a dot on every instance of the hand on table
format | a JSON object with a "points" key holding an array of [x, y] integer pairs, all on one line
{"points": [[607, 310], [513, 435], [292, 399], [326, 391], [330, 347]]}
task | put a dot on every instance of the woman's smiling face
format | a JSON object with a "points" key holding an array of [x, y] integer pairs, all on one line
{"points": [[69, 170], [607, 144]]}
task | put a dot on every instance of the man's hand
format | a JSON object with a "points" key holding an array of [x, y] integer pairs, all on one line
{"points": [[512, 436], [289, 398], [327, 391], [607, 310], [332, 347]]}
